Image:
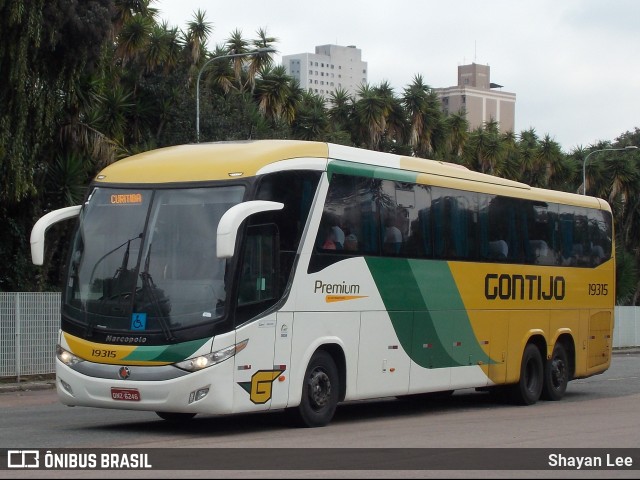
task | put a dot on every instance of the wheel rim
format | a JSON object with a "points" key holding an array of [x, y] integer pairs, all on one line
{"points": [[558, 373], [319, 389]]}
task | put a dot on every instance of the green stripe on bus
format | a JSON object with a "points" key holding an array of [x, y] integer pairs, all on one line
{"points": [[370, 171], [440, 323], [164, 353]]}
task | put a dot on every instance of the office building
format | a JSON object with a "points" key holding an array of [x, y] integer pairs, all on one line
{"points": [[482, 100], [331, 67]]}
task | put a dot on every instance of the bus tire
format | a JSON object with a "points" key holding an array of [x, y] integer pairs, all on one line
{"points": [[556, 374], [528, 390], [175, 417], [320, 392]]}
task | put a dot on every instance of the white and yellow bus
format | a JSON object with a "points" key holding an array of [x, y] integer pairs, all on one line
{"points": [[251, 276]]}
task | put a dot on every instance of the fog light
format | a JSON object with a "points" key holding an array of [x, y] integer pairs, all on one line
{"points": [[198, 394], [66, 386]]}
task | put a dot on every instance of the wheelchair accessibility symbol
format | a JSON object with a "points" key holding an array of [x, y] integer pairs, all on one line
{"points": [[139, 321]]}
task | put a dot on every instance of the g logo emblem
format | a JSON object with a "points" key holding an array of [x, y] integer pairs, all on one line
{"points": [[124, 373], [260, 386]]}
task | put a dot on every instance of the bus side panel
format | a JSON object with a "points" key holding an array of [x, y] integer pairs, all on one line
{"points": [[599, 341], [523, 325], [312, 330], [430, 375], [282, 359], [383, 365], [254, 372], [491, 328]]}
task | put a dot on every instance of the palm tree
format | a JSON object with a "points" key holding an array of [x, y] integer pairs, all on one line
{"points": [[483, 150], [134, 37], [394, 117], [528, 147], [259, 61], [163, 48], [311, 120], [126, 10], [220, 74], [277, 95], [458, 133], [416, 105], [369, 117], [551, 157], [235, 45], [198, 31], [511, 164], [114, 107], [341, 110]]}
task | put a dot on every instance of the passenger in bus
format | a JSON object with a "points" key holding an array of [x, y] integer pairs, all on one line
{"points": [[338, 234], [351, 243], [329, 241], [330, 236], [597, 255], [392, 236], [498, 250]]}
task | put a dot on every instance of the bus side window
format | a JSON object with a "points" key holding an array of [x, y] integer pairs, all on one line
{"points": [[259, 272]]}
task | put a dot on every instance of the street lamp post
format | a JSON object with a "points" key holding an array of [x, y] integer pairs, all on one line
{"points": [[584, 162], [232, 55]]}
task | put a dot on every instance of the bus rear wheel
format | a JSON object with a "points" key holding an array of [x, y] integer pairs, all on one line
{"points": [[556, 374], [528, 390], [320, 392]]}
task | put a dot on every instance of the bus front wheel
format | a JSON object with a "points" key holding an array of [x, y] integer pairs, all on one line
{"points": [[528, 390], [320, 392], [556, 374]]}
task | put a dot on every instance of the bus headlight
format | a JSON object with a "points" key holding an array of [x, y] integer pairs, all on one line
{"points": [[66, 357], [203, 361]]}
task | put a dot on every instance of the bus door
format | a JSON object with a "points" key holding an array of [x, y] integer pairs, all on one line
{"points": [[258, 290]]}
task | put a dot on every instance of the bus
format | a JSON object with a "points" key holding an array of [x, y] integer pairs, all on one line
{"points": [[235, 277]]}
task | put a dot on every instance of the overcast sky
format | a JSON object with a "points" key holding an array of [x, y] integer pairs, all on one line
{"points": [[574, 65]]}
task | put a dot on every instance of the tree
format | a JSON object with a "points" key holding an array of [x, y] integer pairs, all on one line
{"points": [[423, 115], [369, 117], [47, 49], [311, 120], [340, 108], [277, 95]]}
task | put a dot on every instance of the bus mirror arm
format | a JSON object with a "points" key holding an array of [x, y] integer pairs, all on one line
{"points": [[41, 226], [233, 218]]}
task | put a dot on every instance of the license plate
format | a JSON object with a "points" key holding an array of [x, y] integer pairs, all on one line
{"points": [[125, 394]]}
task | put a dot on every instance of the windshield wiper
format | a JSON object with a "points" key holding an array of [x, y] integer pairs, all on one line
{"points": [[148, 286], [120, 271]]}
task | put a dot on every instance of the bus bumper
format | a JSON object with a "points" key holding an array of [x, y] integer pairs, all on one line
{"points": [[205, 391]]}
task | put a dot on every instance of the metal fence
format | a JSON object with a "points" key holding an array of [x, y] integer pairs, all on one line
{"points": [[627, 327], [29, 325]]}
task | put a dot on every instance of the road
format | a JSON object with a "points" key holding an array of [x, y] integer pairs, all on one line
{"points": [[600, 412]]}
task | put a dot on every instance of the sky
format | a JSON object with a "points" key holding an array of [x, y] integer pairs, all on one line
{"points": [[574, 65]]}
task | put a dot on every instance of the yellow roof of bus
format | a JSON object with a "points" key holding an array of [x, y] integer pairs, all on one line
{"points": [[207, 161], [221, 160]]}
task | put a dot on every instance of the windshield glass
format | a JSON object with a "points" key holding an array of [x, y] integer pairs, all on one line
{"points": [[145, 260]]}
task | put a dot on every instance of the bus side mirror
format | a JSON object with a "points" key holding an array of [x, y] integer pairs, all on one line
{"points": [[41, 226], [231, 220]]}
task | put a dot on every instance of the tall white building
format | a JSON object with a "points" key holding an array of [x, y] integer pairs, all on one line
{"points": [[331, 67]]}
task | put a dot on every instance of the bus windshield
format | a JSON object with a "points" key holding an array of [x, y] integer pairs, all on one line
{"points": [[145, 260]]}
